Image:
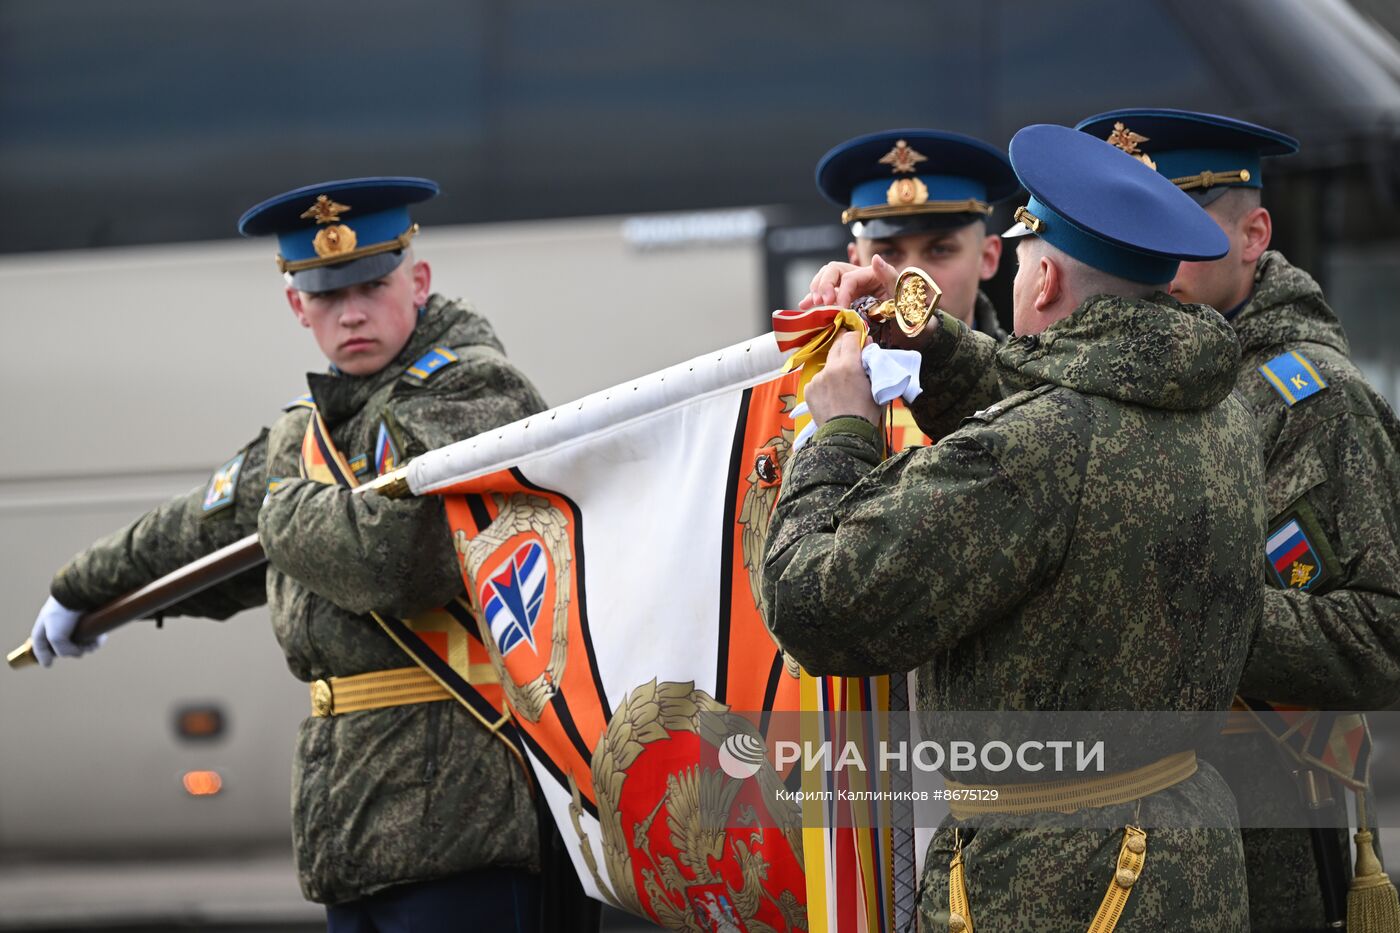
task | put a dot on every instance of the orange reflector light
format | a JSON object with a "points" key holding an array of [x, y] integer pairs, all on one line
{"points": [[202, 722], [203, 783]]}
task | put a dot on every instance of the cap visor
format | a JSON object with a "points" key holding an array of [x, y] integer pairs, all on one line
{"points": [[884, 228], [345, 274]]}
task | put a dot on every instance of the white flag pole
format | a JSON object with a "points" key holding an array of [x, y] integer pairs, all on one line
{"points": [[516, 444]]}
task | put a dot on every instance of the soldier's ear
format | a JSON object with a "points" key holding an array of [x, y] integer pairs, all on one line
{"points": [[1049, 284], [1256, 229], [991, 256], [294, 301], [422, 282]]}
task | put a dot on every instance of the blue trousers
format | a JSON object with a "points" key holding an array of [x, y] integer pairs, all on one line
{"points": [[495, 900]]}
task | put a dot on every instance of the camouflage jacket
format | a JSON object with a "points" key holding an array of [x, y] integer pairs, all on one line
{"points": [[380, 797], [1330, 633], [984, 318], [1088, 542]]}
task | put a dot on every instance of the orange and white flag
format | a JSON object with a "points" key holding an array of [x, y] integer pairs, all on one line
{"points": [[610, 550]]}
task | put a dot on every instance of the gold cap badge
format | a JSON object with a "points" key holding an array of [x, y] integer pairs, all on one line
{"points": [[333, 241], [903, 157], [907, 191], [1128, 141], [324, 211]]}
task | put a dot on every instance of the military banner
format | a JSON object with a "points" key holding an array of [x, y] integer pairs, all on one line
{"points": [[610, 549]]}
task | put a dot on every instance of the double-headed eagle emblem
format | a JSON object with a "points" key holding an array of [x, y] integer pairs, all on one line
{"points": [[1128, 141], [903, 157]]}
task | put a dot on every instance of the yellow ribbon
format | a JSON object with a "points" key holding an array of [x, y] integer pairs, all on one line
{"points": [[811, 357]]}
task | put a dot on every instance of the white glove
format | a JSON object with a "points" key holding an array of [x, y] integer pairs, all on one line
{"points": [[53, 633]]}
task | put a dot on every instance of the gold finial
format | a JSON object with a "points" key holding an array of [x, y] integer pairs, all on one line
{"points": [[916, 298], [903, 157], [324, 211], [23, 656], [1128, 141]]}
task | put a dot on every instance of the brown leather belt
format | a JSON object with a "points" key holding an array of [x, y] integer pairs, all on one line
{"points": [[401, 686]]}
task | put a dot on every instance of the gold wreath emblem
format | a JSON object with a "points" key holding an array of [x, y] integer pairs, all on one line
{"points": [[907, 191], [334, 241], [517, 514], [756, 514], [698, 801]]}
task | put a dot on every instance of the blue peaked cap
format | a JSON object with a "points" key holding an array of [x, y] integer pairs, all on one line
{"points": [[1204, 154], [1107, 209], [340, 233], [911, 180]]}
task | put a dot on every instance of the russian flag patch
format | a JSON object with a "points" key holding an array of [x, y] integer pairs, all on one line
{"points": [[386, 455], [1295, 563]]}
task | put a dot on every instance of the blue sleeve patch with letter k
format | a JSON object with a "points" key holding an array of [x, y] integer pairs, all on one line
{"points": [[1294, 377]]}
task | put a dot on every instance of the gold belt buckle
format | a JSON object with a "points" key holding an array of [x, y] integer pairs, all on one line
{"points": [[322, 699]]}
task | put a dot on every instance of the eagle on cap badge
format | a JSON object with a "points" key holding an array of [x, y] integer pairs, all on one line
{"points": [[1128, 141]]}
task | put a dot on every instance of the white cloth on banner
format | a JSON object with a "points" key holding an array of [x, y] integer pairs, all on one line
{"points": [[893, 374]]}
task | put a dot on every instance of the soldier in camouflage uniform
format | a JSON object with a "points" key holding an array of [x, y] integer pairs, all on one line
{"points": [[920, 198], [1084, 544], [1330, 633], [413, 810]]}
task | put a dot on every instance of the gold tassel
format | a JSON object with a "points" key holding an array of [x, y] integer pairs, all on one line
{"points": [[959, 910], [1372, 903]]}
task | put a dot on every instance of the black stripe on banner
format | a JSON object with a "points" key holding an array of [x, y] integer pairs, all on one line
{"points": [[459, 610], [726, 565], [566, 719], [328, 450], [1317, 745], [559, 776], [477, 505], [1363, 757], [770, 693], [582, 594]]}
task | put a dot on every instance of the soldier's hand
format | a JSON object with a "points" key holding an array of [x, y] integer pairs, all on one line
{"points": [[842, 387], [841, 283], [53, 633]]}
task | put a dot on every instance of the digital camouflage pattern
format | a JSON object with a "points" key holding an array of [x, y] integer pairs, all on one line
{"points": [[380, 797], [1087, 542], [1333, 459], [959, 376], [1338, 452]]}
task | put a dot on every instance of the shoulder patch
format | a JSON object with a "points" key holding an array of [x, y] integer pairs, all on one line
{"points": [[1295, 561], [222, 486], [431, 363], [301, 401], [1293, 376], [994, 411]]}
